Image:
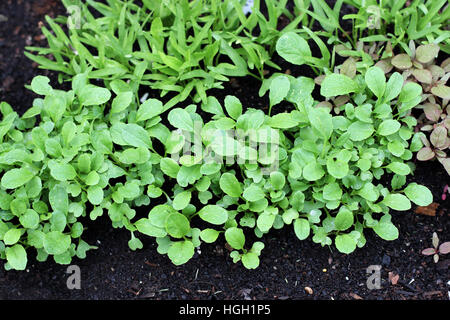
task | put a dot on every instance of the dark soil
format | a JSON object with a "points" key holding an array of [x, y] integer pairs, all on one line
{"points": [[113, 271]]}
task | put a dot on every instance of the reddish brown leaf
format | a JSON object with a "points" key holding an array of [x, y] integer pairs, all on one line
{"points": [[393, 278], [428, 251], [429, 210], [444, 248]]}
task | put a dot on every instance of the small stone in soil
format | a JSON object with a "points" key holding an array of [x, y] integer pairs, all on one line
{"points": [[386, 260]]}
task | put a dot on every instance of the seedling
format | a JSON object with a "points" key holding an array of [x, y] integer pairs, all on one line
{"points": [[437, 249]]}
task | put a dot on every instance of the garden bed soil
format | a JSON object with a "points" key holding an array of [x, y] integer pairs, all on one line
{"points": [[289, 269]]}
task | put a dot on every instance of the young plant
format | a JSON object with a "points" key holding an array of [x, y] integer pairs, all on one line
{"points": [[180, 48], [437, 249], [419, 66], [335, 159]]}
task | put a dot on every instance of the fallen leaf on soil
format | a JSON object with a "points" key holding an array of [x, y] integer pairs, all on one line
{"points": [[309, 290], [355, 296], [393, 278], [428, 210]]}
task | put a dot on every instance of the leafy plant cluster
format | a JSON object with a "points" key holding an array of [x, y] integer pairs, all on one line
{"points": [[399, 22], [331, 169], [82, 160], [418, 65], [179, 47]]}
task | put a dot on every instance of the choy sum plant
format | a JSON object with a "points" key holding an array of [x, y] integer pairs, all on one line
{"points": [[337, 159], [79, 154]]}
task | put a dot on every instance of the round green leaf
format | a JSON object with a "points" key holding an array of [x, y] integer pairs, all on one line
{"points": [[181, 252], [386, 231], [345, 243], [337, 84], [419, 194], [12, 236], [15, 178], [177, 225], [16, 257], [332, 191], [388, 127], [301, 228], [95, 195], [209, 235], [376, 81], [230, 185], [344, 219], [253, 193], [235, 238], [313, 171], [397, 202], [181, 200], [250, 260], [293, 48], [399, 168], [360, 130], [56, 243], [213, 214], [146, 227], [30, 219]]}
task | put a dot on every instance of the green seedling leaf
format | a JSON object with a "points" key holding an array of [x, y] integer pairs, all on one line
{"points": [[235, 238], [279, 88], [388, 127], [213, 214], [397, 202], [230, 185], [56, 243], [149, 109], [360, 131], [209, 235], [233, 107], [92, 95], [345, 243], [419, 194], [386, 231], [293, 48], [253, 193], [301, 228], [181, 200], [322, 121], [16, 257], [376, 81], [344, 219], [41, 86], [250, 260], [181, 119], [399, 168], [181, 252], [337, 84], [15, 178], [122, 101], [146, 227], [177, 225]]}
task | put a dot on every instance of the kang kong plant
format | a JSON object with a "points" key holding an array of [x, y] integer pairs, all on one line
{"points": [[424, 21], [181, 48]]}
